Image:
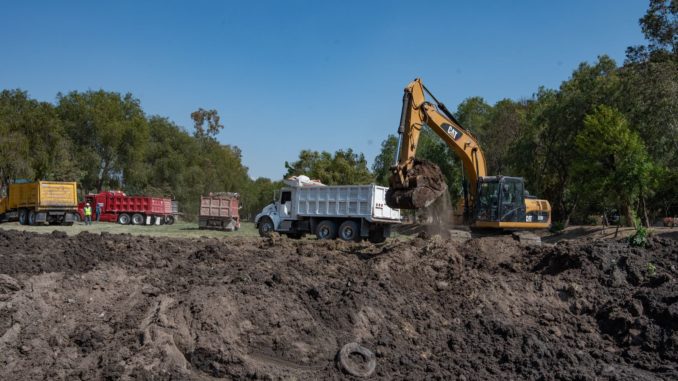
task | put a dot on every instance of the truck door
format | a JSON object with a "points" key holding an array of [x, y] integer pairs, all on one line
{"points": [[285, 204]]}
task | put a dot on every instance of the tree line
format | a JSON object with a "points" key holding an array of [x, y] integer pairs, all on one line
{"points": [[105, 141], [604, 143], [605, 140]]}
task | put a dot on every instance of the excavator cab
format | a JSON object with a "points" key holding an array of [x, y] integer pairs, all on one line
{"points": [[500, 199]]}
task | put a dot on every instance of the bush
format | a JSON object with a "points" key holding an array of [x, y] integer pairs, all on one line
{"points": [[639, 238], [557, 227]]}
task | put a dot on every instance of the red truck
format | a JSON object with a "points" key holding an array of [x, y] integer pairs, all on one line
{"points": [[116, 206]]}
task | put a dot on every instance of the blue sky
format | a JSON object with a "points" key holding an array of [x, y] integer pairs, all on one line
{"points": [[292, 75]]}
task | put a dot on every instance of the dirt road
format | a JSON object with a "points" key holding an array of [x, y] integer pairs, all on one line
{"points": [[103, 306]]}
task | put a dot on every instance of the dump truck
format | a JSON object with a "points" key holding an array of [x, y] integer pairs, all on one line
{"points": [[116, 206], [39, 203], [219, 211], [347, 212]]}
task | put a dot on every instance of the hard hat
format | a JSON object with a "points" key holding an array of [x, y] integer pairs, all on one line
{"points": [[87, 204]]}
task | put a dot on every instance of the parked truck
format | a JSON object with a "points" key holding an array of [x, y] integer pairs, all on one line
{"points": [[348, 212], [116, 206], [39, 203], [219, 211]]}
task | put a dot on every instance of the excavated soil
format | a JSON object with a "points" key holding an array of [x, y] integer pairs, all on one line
{"points": [[430, 185], [109, 307]]}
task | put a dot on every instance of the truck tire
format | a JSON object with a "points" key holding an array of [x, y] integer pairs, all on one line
{"points": [[31, 217], [137, 219], [349, 231], [351, 367], [23, 216], [265, 227], [326, 229], [123, 219], [169, 220]]}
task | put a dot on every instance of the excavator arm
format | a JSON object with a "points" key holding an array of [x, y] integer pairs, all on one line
{"points": [[415, 183]]}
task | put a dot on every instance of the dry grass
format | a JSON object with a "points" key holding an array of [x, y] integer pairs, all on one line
{"points": [[179, 229]]}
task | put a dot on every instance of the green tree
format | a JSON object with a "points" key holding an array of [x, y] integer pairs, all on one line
{"points": [[211, 118], [342, 167], [612, 165], [260, 194], [660, 27], [110, 133], [555, 118], [384, 160], [473, 114], [32, 140]]}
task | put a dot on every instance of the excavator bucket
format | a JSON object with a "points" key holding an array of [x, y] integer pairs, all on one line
{"points": [[416, 187]]}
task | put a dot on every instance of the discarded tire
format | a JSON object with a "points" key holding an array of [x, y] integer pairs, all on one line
{"points": [[350, 366]]}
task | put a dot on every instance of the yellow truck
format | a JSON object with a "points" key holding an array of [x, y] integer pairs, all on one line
{"points": [[42, 202]]}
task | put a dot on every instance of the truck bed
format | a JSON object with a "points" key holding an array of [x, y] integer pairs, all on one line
{"points": [[219, 206], [347, 201], [139, 204], [43, 195]]}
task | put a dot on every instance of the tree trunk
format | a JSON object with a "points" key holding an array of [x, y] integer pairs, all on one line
{"points": [[647, 220], [102, 176], [630, 221], [571, 212]]}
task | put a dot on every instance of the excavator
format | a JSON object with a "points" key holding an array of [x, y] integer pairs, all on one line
{"points": [[489, 202]]}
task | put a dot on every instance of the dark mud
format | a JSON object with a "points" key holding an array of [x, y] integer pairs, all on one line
{"points": [[92, 307]]}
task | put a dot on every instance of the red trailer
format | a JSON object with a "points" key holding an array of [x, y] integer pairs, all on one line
{"points": [[116, 206], [219, 211]]}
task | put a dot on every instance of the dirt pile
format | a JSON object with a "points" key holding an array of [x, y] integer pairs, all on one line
{"points": [[142, 308]]}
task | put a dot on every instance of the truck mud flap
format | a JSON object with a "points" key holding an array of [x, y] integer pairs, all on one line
{"points": [[40, 217]]}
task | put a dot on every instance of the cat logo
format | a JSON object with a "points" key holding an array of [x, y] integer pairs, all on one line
{"points": [[452, 132]]}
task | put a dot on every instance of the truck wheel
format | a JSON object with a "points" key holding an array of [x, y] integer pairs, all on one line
{"points": [[169, 220], [137, 219], [123, 219], [265, 227], [326, 229], [348, 231], [23, 216], [31, 217]]}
